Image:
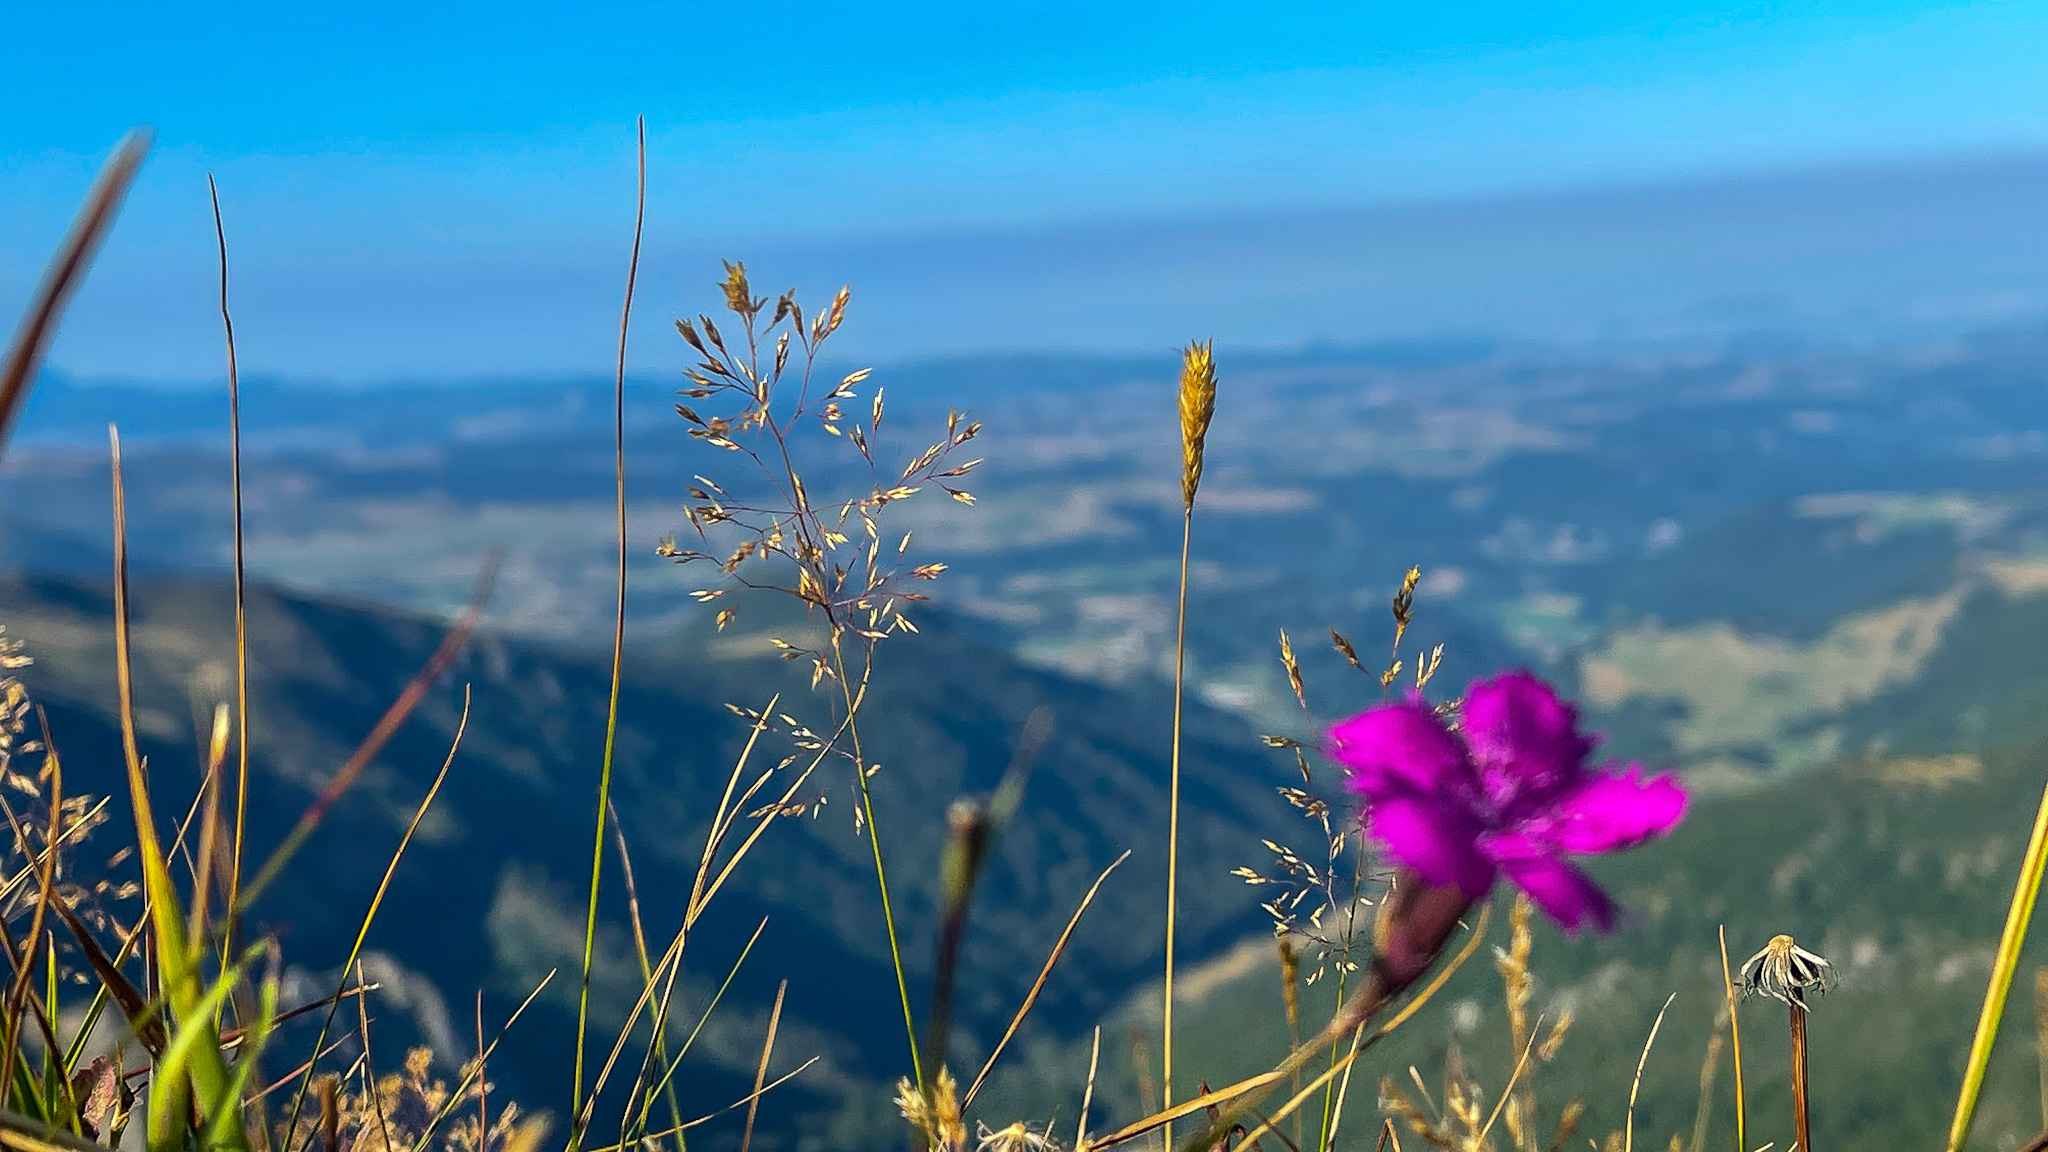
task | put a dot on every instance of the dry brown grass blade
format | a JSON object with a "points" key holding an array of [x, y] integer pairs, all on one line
{"points": [[22, 955], [400, 709], [749, 1099], [377, 901], [657, 1044], [1037, 986], [67, 268], [1735, 1044], [671, 959], [761, 1069], [146, 1025], [724, 816], [1508, 1092], [1088, 1093], [1248, 1092], [20, 996], [370, 1091], [1299, 1098], [1628, 1143]]}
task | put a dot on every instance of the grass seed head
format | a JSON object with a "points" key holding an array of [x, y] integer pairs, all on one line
{"points": [[1197, 408]]}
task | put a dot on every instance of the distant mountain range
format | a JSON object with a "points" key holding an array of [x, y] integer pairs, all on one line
{"points": [[488, 898], [1894, 861]]}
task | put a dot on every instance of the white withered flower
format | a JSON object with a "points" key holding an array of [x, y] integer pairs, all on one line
{"points": [[1786, 972]]}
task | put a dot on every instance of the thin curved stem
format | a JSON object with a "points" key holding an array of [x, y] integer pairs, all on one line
{"points": [[611, 724], [1180, 656], [867, 804]]}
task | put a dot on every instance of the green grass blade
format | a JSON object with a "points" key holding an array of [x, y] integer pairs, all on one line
{"points": [[226, 1112], [2017, 916], [669, 1075], [191, 1045], [611, 723], [201, 1057]]}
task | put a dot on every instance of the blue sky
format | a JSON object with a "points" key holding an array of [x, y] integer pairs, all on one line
{"points": [[424, 190]]}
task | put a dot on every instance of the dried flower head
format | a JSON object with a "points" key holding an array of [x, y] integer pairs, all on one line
{"points": [[1786, 972], [1018, 1137], [1197, 408], [1508, 792]]}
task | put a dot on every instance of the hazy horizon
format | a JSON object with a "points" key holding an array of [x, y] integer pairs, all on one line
{"points": [[417, 193], [1837, 253]]}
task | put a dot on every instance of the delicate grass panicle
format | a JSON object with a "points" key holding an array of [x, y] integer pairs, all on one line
{"points": [[776, 535]]}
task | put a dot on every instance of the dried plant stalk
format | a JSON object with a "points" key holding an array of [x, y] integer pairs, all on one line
{"points": [[1800, 1125], [1197, 408]]}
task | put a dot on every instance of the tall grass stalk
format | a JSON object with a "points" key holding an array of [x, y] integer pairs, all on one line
{"points": [[611, 723], [227, 322], [2017, 916], [657, 1046], [192, 1006], [1735, 1043], [761, 1070], [1197, 396], [66, 270], [1628, 1143], [867, 808]]}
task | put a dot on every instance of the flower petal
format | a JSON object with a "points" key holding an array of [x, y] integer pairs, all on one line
{"points": [[1402, 748], [1524, 739], [1609, 811], [1440, 842], [1568, 895]]}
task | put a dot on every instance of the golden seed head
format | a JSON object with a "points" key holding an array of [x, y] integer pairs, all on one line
{"points": [[1197, 407]]}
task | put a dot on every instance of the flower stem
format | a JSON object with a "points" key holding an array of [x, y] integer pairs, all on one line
{"points": [[1180, 660], [1799, 1123]]}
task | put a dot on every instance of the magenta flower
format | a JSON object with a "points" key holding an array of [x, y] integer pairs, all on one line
{"points": [[1508, 792]]}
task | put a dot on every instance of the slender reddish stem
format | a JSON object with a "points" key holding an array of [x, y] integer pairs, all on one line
{"points": [[1799, 1079]]}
